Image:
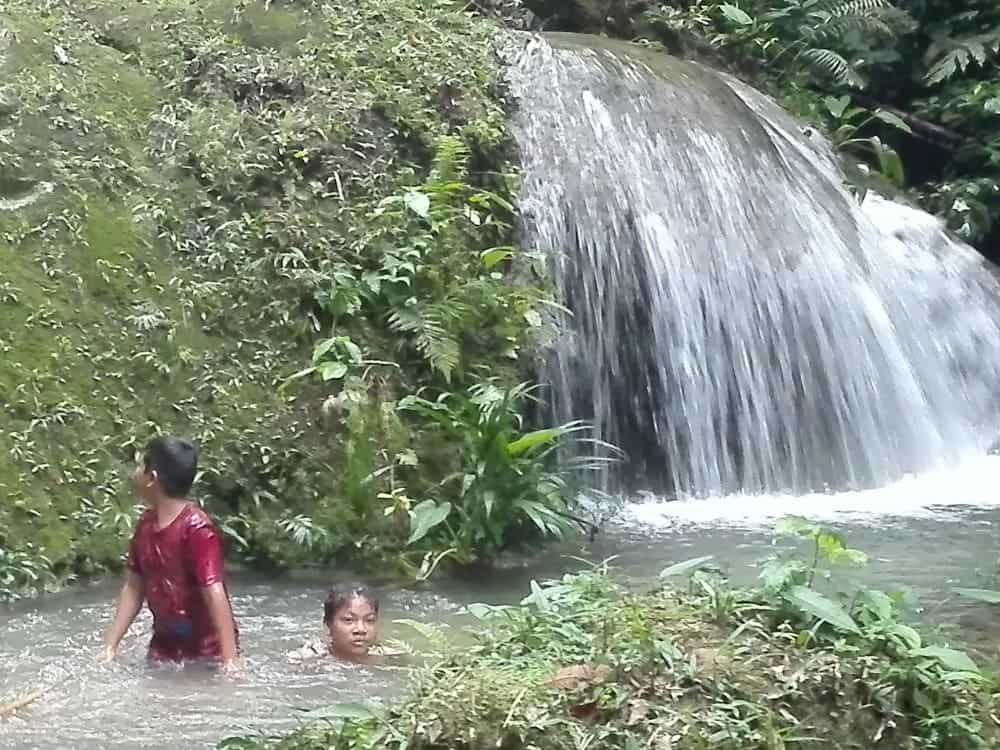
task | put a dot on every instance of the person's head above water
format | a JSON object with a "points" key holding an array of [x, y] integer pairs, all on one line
{"points": [[350, 614], [167, 470]]}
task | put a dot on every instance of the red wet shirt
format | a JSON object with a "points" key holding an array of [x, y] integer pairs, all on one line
{"points": [[176, 563]]}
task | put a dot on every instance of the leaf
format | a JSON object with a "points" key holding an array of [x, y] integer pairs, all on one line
{"points": [[836, 106], [956, 661], [831, 64], [323, 348], [357, 711], [879, 603], [778, 574], [492, 257], [425, 517], [908, 635], [687, 566], [992, 105], [537, 598], [822, 608], [332, 370], [736, 15], [980, 595], [481, 611], [532, 440], [419, 203], [353, 350], [890, 118]]}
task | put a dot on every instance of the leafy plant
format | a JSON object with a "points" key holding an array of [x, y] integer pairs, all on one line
{"points": [[585, 661], [23, 572], [506, 484]]}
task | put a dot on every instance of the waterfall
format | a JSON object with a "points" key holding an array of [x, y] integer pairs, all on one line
{"points": [[740, 324]]}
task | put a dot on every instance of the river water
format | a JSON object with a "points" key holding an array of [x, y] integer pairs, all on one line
{"points": [[926, 535]]}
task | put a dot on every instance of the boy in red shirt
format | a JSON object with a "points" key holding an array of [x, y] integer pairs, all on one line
{"points": [[176, 565]]}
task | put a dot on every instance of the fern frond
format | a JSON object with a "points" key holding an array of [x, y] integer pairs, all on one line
{"points": [[431, 336], [829, 63], [451, 161], [840, 25], [840, 8], [957, 55]]}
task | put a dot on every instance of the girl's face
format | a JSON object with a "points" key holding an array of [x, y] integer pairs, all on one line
{"points": [[353, 629]]}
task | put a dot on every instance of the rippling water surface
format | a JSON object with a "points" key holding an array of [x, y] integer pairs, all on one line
{"points": [[926, 535]]}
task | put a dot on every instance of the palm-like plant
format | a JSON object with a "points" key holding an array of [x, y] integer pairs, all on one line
{"points": [[508, 483]]}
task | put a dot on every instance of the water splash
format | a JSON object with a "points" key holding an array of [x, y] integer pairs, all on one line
{"points": [[740, 323]]}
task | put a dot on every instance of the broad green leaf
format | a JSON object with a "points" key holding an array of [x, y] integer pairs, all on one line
{"points": [[332, 370], [425, 517], [419, 203], [797, 526], [736, 15], [836, 106], [495, 255], [822, 608], [687, 566], [895, 120], [992, 105], [833, 548], [878, 602], [480, 611], [980, 595], [955, 661], [532, 440], [908, 635], [353, 350], [537, 598], [889, 162], [323, 348], [778, 574]]}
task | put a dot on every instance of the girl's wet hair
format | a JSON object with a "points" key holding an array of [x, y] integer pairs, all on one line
{"points": [[341, 596]]}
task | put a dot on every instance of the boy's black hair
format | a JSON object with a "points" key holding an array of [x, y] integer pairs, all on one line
{"points": [[340, 596], [175, 461]]}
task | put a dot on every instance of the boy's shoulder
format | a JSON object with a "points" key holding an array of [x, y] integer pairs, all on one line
{"points": [[196, 520]]}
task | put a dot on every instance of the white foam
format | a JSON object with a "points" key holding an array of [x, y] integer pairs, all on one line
{"points": [[937, 494]]}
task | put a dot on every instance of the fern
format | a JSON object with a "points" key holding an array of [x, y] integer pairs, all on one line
{"points": [[829, 63], [957, 55], [451, 161], [430, 326]]}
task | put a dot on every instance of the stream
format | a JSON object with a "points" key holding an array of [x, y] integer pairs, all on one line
{"points": [[925, 534]]}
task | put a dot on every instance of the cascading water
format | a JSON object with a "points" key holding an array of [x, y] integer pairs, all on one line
{"points": [[740, 323]]}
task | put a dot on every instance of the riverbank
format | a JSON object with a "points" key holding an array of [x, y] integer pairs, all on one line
{"points": [[584, 661]]}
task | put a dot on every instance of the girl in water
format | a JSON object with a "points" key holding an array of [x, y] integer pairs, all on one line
{"points": [[350, 618]]}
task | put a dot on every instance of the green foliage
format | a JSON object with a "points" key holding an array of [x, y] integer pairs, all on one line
{"points": [[586, 662], [802, 41], [503, 485], [930, 66], [195, 198], [23, 570]]}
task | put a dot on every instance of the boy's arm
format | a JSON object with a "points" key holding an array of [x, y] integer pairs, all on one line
{"points": [[221, 612], [129, 603], [208, 564]]}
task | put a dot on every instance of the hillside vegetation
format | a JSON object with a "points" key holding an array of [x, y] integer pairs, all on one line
{"points": [[199, 200]]}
